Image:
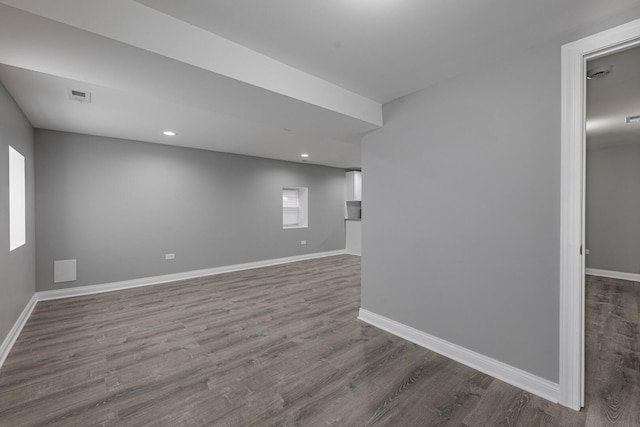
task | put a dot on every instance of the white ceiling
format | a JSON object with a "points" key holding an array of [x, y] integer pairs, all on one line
{"points": [[610, 100], [384, 49], [265, 78]]}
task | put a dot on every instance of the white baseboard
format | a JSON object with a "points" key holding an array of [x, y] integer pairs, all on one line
{"points": [[509, 374], [613, 274], [11, 338], [167, 278]]}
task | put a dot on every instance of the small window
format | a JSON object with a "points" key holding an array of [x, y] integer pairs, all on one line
{"points": [[294, 207], [17, 200]]}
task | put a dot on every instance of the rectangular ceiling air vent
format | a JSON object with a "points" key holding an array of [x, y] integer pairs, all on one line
{"points": [[79, 95]]}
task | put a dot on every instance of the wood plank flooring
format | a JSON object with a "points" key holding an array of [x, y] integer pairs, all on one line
{"points": [[612, 359], [281, 346]]}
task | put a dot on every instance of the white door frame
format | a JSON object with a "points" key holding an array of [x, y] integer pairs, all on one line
{"points": [[572, 268]]}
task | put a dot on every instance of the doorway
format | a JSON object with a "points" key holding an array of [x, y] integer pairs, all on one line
{"points": [[572, 229], [612, 234]]}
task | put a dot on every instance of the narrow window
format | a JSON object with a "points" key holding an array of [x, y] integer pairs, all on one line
{"points": [[294, 207], [17, 200]]}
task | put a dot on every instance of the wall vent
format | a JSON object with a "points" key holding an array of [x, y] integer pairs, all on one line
{"points": [[79, 95]]}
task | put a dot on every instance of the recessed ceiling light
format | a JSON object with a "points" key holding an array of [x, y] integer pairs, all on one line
{"points": [[633, 119], [305, 155], [169, 133]]}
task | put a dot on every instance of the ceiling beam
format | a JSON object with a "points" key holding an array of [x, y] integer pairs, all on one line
{"points": [[137, 25]]}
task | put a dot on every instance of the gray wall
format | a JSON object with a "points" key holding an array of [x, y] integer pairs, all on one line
{"points": [[613, 204], [17, 268], [462, 200], [118, 206]]}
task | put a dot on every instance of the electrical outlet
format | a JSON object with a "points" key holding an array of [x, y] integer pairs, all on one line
{"points": [[303, 242], [587, 251], [169, 256]]}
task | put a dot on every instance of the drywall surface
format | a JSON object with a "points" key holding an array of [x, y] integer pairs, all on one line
{"points": [[612, 206], [119, 206], [470, 164], [462, 202], [17, 268]]}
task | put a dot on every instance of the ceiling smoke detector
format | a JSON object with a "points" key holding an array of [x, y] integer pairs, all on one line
{"points": [[599, 72], [79, 95]]}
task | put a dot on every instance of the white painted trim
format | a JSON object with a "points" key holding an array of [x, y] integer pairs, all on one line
{"points": [[156, 280], [632, 277], [11, 338], [507, 373], [574, 57]]}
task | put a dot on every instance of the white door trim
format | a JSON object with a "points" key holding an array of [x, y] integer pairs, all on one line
{"points": [[572, 269]]}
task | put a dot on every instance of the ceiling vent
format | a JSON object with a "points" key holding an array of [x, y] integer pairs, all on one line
{"points": [[79, 95], [599, 72]]}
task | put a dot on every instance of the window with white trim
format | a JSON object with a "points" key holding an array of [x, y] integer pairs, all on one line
{"points": [[17, 200], [294, 207]]}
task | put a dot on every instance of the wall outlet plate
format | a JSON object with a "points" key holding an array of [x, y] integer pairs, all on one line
{"points": [[303, 242], [169, 256]]}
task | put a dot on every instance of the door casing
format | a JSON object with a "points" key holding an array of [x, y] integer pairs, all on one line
{"points": [[572, 206]]}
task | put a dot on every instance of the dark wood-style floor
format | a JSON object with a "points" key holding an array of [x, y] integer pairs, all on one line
{"points": [[282, 346], [612, 358]]}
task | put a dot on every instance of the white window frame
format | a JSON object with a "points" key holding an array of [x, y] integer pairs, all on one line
{"points": [[302, 207], [17, 200]]}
